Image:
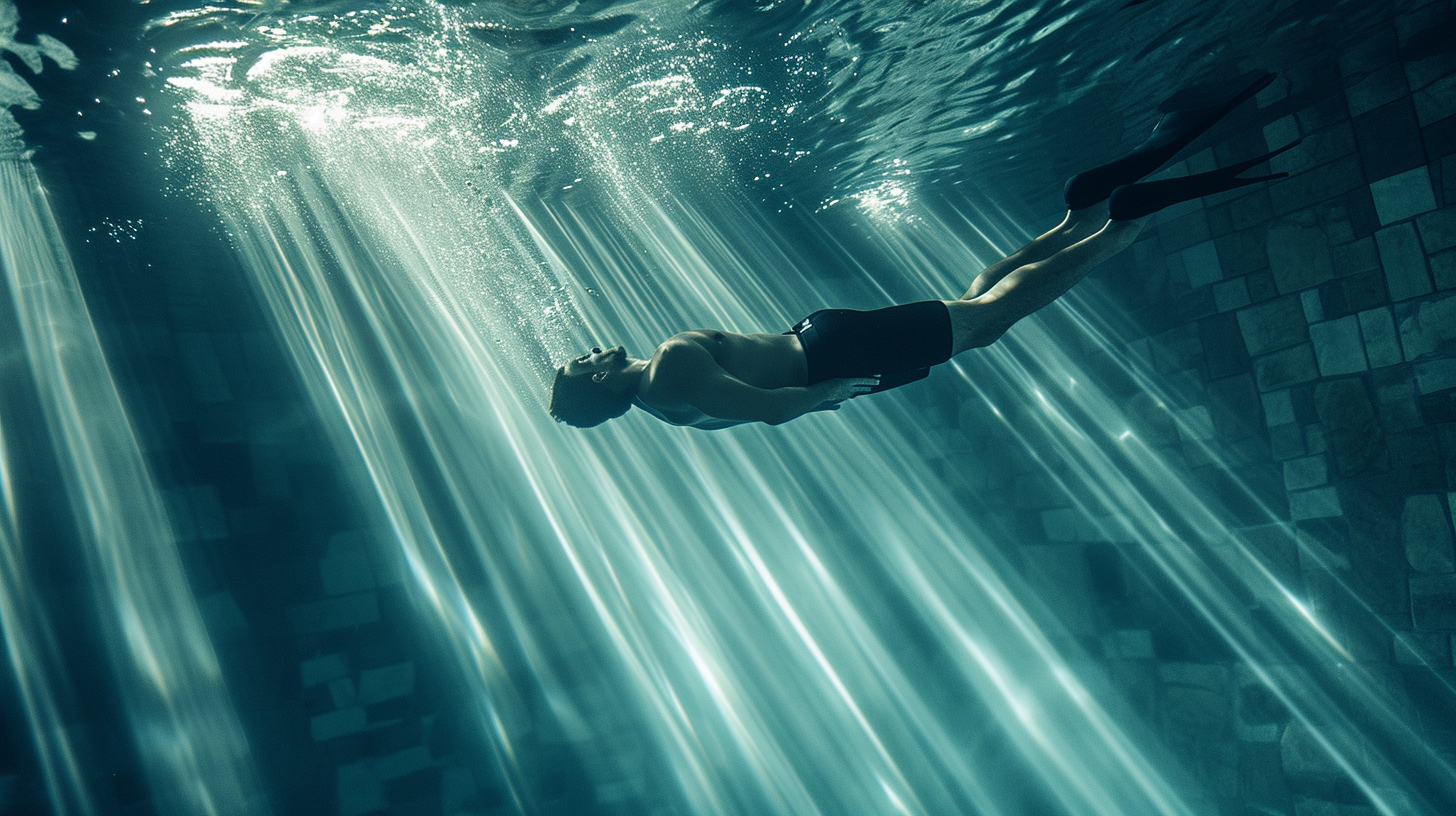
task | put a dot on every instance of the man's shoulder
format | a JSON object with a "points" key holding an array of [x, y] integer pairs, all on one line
{"points": [[680, 352]]}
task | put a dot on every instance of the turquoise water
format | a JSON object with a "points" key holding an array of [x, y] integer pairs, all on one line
{"points": [[395, 218]]}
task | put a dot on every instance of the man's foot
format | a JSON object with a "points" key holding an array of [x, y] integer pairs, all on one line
{"points": [[1187, 115], [1134, 201]]}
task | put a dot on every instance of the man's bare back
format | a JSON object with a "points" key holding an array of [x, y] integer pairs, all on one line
{"points": [[761, 361]]}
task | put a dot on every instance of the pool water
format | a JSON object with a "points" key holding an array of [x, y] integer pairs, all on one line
{"points": [[287, 528]]}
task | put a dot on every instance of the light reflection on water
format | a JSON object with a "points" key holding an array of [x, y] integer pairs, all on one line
{"points": [[792, 620]]}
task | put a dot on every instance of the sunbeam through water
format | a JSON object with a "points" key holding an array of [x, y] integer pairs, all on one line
{"points": [[435, 204]]}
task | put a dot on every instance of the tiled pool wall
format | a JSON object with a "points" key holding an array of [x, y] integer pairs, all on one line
{"points": [[1308, 327]]}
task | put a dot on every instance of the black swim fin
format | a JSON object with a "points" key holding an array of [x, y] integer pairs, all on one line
{"points": [[1137, 200], [1187, 115]]}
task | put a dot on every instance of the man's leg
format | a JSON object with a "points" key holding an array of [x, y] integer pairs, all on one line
{"points": [[979, 320], [1078, 224]]}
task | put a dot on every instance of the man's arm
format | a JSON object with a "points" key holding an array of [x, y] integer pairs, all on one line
{"points": [[697, 379]]}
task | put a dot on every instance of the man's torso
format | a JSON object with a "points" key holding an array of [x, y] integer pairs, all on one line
{"points": [[765, 361]]}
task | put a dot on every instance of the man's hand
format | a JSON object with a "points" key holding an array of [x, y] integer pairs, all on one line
{"points": [[834, 392]]}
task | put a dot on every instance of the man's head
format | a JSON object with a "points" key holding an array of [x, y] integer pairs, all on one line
{"points": [[593, 388]]}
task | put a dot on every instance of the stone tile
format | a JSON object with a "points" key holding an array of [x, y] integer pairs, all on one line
{"points": [[1319, 556], [1322, 502], [335, 613], [1250, 207], [1195, 424], [1234, 294], [1404, 195], [1358, 256], [1278, 408], [1443, 270], [1277, 548], [359, 791], [1279, 133], [1314, 307], [1305, 472], [1200, 262], [1335, 219], [1433, 601], [403, 763], [1350, 425], [1382, 344], [1241, 253], [1357, 293], [340, 723], [1404, 262], [1328, 111], [1424, 27], [1286, 442], [1315, 441], [1427, 534], [1220, 220], [1363, 221], [1389, 138], [1435, 409], [1372, 53], [1129, 644], [1427, 327], [1299, 257], [1439, 138], [1436, 101], [386, 683], [1448, 181], [1262, 787], [343, 693], [1184, 231], [1379, 88], [1305, 409], [1272, 325], [1318, 184], [1437, 230], [1261, 286], [1429, 59], [1433, 376], [1398, 408], [1285, 368], [322, 669], [1422, 648], [1338, 347], [1227, 355], [1310, 768]]}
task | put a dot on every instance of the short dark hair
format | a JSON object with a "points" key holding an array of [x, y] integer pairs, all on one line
{"points": [[580, 401]]}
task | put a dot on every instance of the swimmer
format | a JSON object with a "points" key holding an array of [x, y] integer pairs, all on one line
{"points": [[712, 379]]}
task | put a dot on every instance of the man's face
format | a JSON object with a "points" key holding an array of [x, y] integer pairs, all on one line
{"points": [[598, 363]]}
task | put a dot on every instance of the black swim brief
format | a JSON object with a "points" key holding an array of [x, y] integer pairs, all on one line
{"points": [[898, 344]]}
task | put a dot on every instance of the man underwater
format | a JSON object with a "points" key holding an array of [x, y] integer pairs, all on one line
{"points": [[713, 379]]}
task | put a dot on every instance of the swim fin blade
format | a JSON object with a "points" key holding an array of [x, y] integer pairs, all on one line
{"points": [[1187, 115]]}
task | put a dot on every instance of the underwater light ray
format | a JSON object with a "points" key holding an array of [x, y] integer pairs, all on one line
{"points": [[169, 676], [299, 284], [34, 657]]}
